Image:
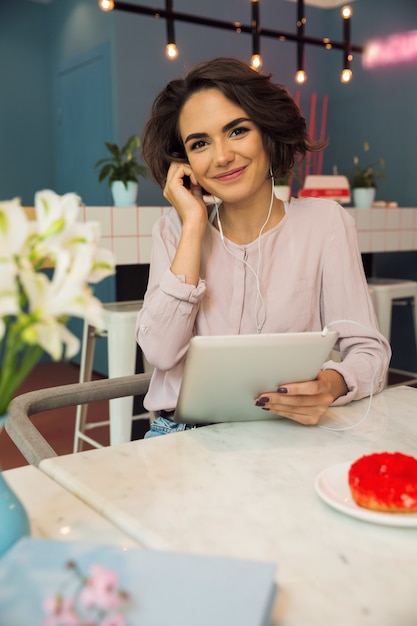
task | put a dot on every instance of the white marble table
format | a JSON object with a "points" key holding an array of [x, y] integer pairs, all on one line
{"points": [[247, 490], [55, 513]]}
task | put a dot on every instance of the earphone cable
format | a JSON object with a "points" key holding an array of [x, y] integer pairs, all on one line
{"points": [[256, 273], [371, 393]]}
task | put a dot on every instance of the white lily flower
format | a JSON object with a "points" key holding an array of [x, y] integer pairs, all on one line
{"points": [[52, 211], [9, 292], [14, 227], [66, 294], [34, 306], [53, 337], [103, 264]]}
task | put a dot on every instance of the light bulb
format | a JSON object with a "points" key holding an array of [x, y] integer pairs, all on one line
{"points": [[301, 77], [256, 61], [346, 12], [106, 5], [171, 51], [346, 75]]}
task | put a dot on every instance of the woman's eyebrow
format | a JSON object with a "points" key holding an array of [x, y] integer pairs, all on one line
{"points": [[225, 128], [234, 123]]}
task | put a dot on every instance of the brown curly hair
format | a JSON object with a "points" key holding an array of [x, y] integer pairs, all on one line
{"points": [[269, 105]]}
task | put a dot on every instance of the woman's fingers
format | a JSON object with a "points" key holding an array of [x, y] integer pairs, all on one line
{"points": [[304, 402], [184, 193]]}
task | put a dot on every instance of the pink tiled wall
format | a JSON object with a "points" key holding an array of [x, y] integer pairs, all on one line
{"points": [[386, 229], [127, 231]]}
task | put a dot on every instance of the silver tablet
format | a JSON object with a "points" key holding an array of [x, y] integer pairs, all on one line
{"points": [[224, 374]]}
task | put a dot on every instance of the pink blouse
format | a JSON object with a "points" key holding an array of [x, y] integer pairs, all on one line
{"points": [[311, 275]]}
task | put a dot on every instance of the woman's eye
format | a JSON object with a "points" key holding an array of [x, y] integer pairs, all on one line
{"points": [[198, 144], [241, 130]]}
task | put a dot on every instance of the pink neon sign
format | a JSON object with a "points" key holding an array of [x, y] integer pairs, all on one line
{"points": [[400, 48]]}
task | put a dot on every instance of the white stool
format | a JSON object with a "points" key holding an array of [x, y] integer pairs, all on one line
{"points": [[383, 292], [120, 322]]}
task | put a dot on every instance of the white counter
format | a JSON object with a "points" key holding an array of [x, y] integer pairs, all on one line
{"points": [[247, 490]]}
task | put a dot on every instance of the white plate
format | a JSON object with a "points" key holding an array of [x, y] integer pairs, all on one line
{"points": [[332, 486]]}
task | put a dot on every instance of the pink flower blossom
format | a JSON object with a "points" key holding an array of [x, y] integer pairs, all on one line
{"points": [[60, 612], [101, 589], [95, 602]]}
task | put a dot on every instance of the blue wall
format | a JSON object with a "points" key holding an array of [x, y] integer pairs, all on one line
{"points": [[34, 39], [378, 106], [26, 155]]}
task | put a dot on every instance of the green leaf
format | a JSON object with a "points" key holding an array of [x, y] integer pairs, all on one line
{"points": [[123, 164]]}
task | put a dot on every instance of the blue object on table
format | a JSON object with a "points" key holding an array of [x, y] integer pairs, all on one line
{"points": [[164, 587], [14, 521]]}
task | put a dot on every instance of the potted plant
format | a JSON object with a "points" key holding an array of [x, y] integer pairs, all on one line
{"points": [[282, 184], [362, 180], [122, 170], [282, 188]]}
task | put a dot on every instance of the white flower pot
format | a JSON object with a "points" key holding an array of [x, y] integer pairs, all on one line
{"points": [[282, 192], [363, 197], [123, 196]]}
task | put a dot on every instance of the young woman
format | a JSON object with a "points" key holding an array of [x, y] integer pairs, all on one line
{"points": [[244, 261]]}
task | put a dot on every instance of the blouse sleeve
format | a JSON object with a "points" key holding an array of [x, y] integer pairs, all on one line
{"points": [[347, 307], [165, 322]]}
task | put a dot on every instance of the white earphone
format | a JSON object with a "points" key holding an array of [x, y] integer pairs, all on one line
{"points": [[259, 309]]}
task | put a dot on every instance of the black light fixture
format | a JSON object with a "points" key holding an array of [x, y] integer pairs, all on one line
{"points": [[253, 29], [346, 74], [171, 50], [300, 75], [256, 60]]}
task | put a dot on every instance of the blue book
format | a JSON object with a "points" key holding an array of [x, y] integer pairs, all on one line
{"points": [[165, 588]]}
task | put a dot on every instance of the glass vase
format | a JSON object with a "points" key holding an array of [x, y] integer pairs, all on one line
{"points": [[14, 521]]}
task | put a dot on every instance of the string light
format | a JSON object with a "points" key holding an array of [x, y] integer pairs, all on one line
{"points": [[256, 60], [346, 12], [346, 74], [254, 29], [106, 5], [300, 76], [171, 50]]}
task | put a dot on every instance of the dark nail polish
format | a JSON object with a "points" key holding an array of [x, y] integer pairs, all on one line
{"points": [[259, 403], [264, 408], [282, 390], [263, 399]]}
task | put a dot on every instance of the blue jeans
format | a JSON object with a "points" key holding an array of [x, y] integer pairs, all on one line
{"points": [[164, 426]]}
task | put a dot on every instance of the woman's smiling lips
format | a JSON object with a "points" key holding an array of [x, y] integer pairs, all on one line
{"points": [[230, 175]]}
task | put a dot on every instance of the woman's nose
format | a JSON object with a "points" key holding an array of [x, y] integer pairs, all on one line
{"points": [[222, 153]]}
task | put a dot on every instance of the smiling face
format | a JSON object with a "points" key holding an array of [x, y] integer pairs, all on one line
{"points": [[224, 147]]}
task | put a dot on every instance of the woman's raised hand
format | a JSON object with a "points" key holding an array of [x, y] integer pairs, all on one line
{"points": [[189, 203]]}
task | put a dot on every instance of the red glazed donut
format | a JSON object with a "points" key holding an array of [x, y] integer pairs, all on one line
{"points": [[385, 481]]}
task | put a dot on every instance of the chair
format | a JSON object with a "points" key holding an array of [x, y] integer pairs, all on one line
{"points": [[385, 292], [120, 322], [24, 433]]}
